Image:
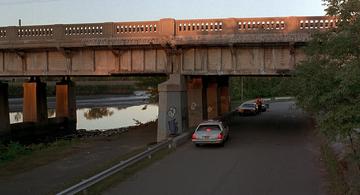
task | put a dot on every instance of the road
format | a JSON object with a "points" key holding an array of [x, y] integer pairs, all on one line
{"points": [[273, 153]]}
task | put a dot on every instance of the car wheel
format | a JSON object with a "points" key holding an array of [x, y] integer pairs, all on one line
{"points": [[197, 145], [222, 144]]}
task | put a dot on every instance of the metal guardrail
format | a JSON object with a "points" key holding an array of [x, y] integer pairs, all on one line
{"points": [[111, 171]]}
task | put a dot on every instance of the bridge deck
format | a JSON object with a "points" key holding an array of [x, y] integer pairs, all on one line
{"points": [[164, 46]]}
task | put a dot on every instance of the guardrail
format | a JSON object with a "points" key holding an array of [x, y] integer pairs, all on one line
{"points": [[124, 164]]}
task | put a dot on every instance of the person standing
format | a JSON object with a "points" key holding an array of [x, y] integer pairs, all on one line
{"points": [[258, 104]]}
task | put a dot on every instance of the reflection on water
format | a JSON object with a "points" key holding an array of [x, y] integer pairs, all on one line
{"points": [[120, 117], [97, 113], [51, 113], [17, 117], [106, 117]]}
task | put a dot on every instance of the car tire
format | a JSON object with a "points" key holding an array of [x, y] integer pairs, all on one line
{"points": [[197, 145]]}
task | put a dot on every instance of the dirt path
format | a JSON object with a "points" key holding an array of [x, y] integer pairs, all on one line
{"points": [[83, 160]]}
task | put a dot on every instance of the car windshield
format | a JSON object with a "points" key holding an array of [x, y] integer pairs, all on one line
{"points": [[209, 128], [248, 105]]}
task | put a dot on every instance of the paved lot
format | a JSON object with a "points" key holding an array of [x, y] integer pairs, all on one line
{"points": [[273, 153]]}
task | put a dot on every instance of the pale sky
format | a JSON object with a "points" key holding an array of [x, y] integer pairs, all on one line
{"points": [[88, 11]]}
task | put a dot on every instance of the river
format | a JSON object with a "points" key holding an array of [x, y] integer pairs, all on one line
{"points": [[101, 113]]}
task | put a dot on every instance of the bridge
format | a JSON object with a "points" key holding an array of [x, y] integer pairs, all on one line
{"points": [[198, 55]]}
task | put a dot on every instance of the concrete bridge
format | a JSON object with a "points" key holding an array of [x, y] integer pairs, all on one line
{"points": [[198, 55]]}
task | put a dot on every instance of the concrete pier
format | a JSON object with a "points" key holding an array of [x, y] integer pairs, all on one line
{"points": [[172, 107], [35, 102], [4, 109], [195, 100], [66, 100], [212, 94], [224, 95]]}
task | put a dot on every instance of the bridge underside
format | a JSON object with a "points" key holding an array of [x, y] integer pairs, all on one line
{"points": [[215, 60]]}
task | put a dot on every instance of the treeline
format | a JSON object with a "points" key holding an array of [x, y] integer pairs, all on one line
{"points": [[242, 88]]}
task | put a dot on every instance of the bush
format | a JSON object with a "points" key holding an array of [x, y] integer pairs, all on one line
{"points": [[12, 150]]}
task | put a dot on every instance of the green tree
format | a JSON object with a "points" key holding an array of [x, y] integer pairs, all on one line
{"points": [[151, 85], [327, 83]]}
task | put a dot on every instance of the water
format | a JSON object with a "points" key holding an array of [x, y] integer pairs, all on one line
{"points": [[103, 118]]}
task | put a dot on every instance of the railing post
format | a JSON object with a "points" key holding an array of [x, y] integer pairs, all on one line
{"points": [[59, 32], [108, 29], [230, 26], [12, 33], [292, 24], [167, 27]]}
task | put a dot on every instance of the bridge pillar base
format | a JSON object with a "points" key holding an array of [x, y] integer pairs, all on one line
{"points": [[35, 102], [196, 100], [66, 100], [4, 109], [172, 107], [224, 95]]}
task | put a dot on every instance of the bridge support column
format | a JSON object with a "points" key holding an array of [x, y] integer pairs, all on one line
{"points": [[66, 99], [172, 107], [35, 102], [4, 109], [224, 95], [213, 97], [196, 98]]}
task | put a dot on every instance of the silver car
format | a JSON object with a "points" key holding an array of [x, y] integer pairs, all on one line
{"points": [[211, 132]]}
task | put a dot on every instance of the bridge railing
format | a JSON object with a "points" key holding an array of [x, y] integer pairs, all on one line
{"points": [[3, 32], [73, 32], [254, 25], [127, 29]]}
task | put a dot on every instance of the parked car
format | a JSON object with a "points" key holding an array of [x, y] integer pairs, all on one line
{"points": [[211, 132], [247, 109]]}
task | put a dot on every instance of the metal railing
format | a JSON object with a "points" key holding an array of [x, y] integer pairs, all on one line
{"points": [[83, 185]]}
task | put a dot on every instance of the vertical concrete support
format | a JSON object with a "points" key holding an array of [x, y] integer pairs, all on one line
{"points": [[195, 97], [66, 100], [4, 109], [172, 107], [224, 95], [212, 93], [35, 102]]}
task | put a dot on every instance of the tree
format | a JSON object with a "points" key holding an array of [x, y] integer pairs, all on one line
{"points": [[151, 85], [327, 83]]}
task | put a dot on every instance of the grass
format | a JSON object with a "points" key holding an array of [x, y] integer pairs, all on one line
{"points": [[13, 155], [117, 178]]}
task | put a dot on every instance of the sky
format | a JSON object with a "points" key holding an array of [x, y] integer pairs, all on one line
{"points": [[33, 12]]}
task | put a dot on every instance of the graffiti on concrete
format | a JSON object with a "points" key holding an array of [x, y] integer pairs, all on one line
{"points": [[193, 106], [173, 125]]}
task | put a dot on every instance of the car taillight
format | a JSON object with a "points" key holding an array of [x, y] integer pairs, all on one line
{"points": [[220, 135], [194, 136]]}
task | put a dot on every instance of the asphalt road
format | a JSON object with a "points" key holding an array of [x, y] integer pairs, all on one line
{"points": [[273, 153]]}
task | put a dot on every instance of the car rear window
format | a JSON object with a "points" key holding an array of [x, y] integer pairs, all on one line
{"points": [[209, 128], [249, 105]]}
